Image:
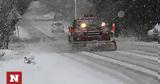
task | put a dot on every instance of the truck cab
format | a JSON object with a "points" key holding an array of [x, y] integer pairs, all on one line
{"points": [[90, 33], [88, 29]]}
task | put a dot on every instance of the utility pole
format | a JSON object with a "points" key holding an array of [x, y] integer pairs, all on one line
{"points": [[75, 9]]}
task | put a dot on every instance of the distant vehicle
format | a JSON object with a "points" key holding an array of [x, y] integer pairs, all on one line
{"points": [[154, 33], [57, 27], [91, 33]]}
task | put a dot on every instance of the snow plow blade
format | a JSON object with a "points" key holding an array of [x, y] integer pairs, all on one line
{"points": [[94, 45]]}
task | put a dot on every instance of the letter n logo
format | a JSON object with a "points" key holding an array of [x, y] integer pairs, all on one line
{"points": [[14, 77]]}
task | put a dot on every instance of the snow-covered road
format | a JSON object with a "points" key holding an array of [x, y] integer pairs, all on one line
{"points": [[56, 63], [79, 67], [57, 69]]}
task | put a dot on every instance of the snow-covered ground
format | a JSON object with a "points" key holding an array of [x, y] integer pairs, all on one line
{"points": [[119, 67], [57, 69], [56, 63], [133, 63]]}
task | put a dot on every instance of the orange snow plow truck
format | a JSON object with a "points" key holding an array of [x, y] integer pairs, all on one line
{"points": [[90, 33]]}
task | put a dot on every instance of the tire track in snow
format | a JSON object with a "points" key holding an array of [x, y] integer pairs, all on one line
{"points": [[124, 64], [138, 55], [130, 59], [102, 65], [99, 68], [144, 53]]}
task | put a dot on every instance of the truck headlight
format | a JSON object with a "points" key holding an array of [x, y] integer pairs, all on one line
{"points": [[83, 25], [103, 24]]}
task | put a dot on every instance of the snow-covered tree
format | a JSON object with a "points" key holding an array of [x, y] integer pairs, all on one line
{"points": [[140, 15], [9, 17], [65, 8]]}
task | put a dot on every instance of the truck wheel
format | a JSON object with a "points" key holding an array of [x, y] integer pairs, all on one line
{"points": [[115, 45], [158, 41], [69, 38]]}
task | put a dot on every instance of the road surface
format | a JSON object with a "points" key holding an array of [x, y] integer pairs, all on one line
{"points": [[57, 63]]}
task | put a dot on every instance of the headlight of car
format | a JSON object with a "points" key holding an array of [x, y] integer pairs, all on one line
{"points": [[83, 25], [103, 24]]}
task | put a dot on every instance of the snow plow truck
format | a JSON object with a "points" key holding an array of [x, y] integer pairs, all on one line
{"points": [[90, 33]]}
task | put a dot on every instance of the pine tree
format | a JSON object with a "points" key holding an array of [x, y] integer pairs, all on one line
{"points": [[8, 19]]}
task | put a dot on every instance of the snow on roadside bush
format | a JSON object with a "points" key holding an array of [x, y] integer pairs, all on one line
{"points": [[154, 30], [11, 55]]}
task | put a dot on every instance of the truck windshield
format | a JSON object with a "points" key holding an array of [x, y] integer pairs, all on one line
{"points": [[91, 22], [58, 24]]}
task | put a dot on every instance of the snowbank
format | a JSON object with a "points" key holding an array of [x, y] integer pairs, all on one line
{"points": [[157, 27], [151, 32], [7, 55], [55, 69], [6, 52]]}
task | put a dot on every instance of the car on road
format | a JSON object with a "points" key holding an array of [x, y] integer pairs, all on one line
{"points": [[57, 27]]}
